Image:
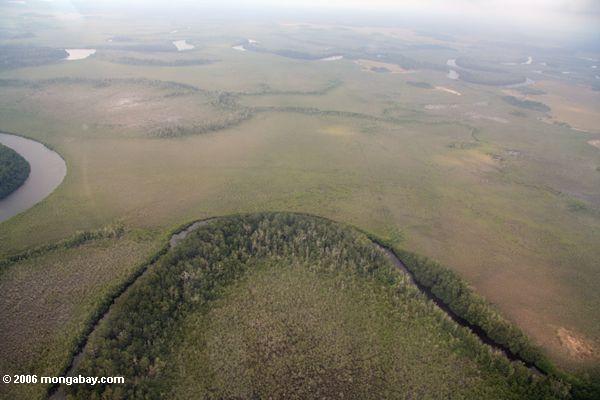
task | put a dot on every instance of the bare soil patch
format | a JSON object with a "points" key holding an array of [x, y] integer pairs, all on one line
{"points": [[576, 345]]}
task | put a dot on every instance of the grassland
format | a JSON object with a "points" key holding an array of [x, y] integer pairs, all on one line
{"points": [[490, 190]]}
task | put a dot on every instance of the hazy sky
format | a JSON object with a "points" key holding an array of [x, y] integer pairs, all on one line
{"points": [[554, 17], [513, 6], [563, 13], [574, 6], [523, 8]]}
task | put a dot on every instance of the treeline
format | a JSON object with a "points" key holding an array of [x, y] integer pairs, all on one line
{"points": [[530, 91], [387, 55], [380, 70], [16, 56], [100, 83], [460, 298], [526, 104], [14, 171], [294, 54], [456, 294], [230, 120], [152, 62], [318, 111], [141, 47], [421, 85], [265, 89], [138, 333], [112, 231], [333, 113], [469, 63]]}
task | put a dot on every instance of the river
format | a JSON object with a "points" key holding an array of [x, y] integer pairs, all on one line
{"points": [[48, 170], [79, 54], [183, 45]]}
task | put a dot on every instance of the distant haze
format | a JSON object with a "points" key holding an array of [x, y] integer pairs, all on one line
{"points": [[543, 17], [514, 7]]}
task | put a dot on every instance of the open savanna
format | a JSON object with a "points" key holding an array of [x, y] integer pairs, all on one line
{"points": [[508, 201]]}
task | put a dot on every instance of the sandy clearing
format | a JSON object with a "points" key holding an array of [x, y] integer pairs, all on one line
{"points": [[331, 58], [182, 45], [448, 90], [576, 345]]}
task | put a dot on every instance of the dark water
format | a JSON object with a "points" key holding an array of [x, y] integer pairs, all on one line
{"points": [[477, 330], [48, 170]]}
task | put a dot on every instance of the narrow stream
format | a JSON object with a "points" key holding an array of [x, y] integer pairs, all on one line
{"points": [[57, 392], [477, 330]]}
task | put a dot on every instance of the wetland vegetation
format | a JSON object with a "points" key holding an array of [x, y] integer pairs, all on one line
{"points": [[484, 181]]}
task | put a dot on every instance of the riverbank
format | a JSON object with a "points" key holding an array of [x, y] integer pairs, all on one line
{"points": [[47, 171]]}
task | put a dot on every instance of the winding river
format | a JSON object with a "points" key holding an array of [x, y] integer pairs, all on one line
{"points": [[48, 170]]}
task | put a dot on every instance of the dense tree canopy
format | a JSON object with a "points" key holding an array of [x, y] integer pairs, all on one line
{"points": [[14, 170]]}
